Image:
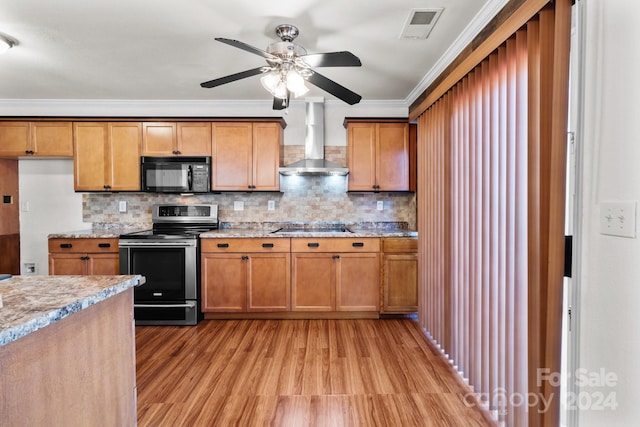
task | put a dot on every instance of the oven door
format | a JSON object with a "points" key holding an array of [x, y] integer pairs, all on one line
{"points": [[170, 293]]}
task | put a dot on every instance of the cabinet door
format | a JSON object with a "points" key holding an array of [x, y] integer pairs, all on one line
{"points": [[14, 138], [266, 156], [362, 156], [231, 150], [159, 139], [67, 264], [194, 138], [400, 283], [268, 282], [313, 282], [223, 283], [358, 284], [103, 264], [392, 157], [52, 139], [89, 160], [124, 156]]}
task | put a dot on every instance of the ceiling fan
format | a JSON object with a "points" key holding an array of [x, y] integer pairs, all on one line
{"points": [[289, 67]]}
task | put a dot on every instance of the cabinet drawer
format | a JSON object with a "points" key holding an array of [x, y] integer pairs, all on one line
{"points": [[246, 245], [335, 244], [400, 244], [83, 245]]}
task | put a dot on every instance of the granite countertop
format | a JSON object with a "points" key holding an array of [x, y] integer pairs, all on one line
{"points": [[259, 230], [33, 302], [261, 233]]}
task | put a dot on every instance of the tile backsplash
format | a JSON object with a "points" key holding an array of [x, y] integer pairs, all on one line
{"points": [[303, 199]]}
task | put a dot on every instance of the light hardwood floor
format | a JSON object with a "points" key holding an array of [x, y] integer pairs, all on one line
{"points": [[296, 373]]}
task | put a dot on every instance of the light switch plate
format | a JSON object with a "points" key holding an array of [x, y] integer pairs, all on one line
{"points": [[122, 206], [618, 219], [380, 205], [238, 206], [271, 205]]}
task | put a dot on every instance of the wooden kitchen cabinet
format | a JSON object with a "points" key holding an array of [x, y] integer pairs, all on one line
{"points": [[36, 139], [176, 139], [335, 274], [84, 256], [399, 275], [246, 156], [246, 275], [107, 156], [378, 155]]}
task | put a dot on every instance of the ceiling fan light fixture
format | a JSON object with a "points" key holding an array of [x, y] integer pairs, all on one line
{"points": [[270, 81], [295, 83]]}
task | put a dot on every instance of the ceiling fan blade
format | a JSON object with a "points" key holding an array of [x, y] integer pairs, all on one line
{"points": [[248, 48], [233, 77], [334, 88], [332, 59], [281, 104]]}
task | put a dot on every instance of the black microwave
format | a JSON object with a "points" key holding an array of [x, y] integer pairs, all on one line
{"points": [[175, 174]]}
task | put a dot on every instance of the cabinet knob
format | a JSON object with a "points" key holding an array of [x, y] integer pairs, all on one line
{"points": [[244, 257], [336, 257]]}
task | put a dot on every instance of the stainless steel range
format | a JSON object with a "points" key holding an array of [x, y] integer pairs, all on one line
{"points": [[168, 256]]}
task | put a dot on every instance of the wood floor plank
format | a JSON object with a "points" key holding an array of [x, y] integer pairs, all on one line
{"points": [[297, 373]]}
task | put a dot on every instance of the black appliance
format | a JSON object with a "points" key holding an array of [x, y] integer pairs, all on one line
{"points": [[168, 256], [175, 174]]}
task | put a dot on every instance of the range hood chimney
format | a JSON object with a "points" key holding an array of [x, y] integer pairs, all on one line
{"points": [[314, 162]]}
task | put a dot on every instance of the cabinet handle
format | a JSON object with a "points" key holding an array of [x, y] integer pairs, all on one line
{"points": [[66, 245], [357, 244], [336, 257], [313, 245], [104, 245], [223, 245], [267, 245]]}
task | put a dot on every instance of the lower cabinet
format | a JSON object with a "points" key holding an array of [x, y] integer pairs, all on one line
{"points": [[246, 275], [335, 274], [399, 275], [84, 256]]}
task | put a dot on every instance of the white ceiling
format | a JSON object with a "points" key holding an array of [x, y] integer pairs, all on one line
{"points": [[164, 49]]}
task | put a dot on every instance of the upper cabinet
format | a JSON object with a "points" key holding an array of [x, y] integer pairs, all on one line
{"points": [[379, 155], [107, 156], [36, 139], [246, 156], [176, 139]]}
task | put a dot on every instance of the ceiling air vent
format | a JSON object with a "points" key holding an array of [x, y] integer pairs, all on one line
{"points": [[420, 23]]}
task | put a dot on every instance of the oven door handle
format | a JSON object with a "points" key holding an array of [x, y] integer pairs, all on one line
{"points": [[186, 305], [164, 243]]}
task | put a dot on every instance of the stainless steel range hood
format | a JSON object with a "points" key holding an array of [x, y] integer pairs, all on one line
{"points": [[314, 162]]}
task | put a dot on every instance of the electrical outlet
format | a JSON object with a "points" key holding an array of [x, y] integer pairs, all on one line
{"points": [[122, 206], [29, 268], [380, 205], [618, 219], [238, 206], [271, 205]]}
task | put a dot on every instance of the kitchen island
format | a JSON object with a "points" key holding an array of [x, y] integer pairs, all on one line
{"points": [[67, 350]]}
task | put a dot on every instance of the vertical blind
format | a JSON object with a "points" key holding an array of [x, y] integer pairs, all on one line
{"points": [[490, 175]]}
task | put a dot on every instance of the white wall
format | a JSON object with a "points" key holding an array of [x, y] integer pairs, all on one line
{"points": [[46, 186], [610, 273]]}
